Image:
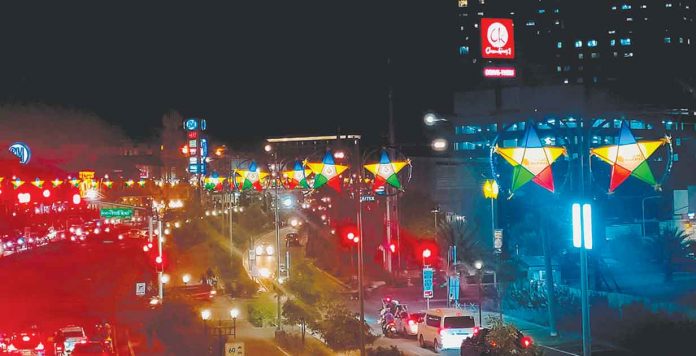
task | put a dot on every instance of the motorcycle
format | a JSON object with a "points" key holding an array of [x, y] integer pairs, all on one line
{"points": [[389, 330]]}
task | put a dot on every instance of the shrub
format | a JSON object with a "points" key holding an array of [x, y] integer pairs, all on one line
{"points": [[293, 343], [383, 351]]}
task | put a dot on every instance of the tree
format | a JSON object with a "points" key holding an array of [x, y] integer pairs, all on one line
{"points": [[296, 312], [504, 338], [415, 209], [464, 235], [341, 329], [669, 247]]}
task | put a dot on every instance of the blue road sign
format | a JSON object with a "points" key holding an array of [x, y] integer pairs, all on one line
{"points": [[453, 288], [427, 282]]}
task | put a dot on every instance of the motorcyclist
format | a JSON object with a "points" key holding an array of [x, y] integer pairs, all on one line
{"points": [[387, 320]]}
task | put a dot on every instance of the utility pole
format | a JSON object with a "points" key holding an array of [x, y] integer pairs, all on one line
{"points": [[360, 252], [392, 199]]}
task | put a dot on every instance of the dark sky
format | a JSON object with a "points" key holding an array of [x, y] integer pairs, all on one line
{"points": [[252, 70]]}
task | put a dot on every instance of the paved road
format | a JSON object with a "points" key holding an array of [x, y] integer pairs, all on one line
{"points": [[68, 283]]}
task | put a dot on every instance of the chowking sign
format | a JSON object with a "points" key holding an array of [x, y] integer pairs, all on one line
{"points": [[497, 38]]}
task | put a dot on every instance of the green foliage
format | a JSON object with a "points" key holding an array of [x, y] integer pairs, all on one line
{"points": [[295, 312], [341, 330], [177, 326], [464, 235], [302, 283], [293, 343], [383, 351], [416, 213], [672, 246], [261, 312], [503, 337]]}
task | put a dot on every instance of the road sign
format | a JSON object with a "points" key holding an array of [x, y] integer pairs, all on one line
{"points": [[453, 288], [364, 198], [498, 240], [234, 349], [116, 212], [140, 289], [427, 282]]}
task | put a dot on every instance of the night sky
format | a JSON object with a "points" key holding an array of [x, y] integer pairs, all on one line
{"points": [[253, 71]]}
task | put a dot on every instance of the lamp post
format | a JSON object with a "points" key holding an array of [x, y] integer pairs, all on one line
{"points": [[234, 313], [490, 191], [479, 265], [205, 316], [186, 279]]}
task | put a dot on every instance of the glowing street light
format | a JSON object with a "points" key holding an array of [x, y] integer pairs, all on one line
{"points": [[186, 278], [205, 314], [234, 313], [439, 144], [165, 278]]}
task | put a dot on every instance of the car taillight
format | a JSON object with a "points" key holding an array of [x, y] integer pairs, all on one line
{"points": [[476, 330], [11, 347], [39, 347], [26, 338], [411, 322], [526, 341], [83, 341]]}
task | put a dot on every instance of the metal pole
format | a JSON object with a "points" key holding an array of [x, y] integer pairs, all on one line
{"points": [[586, 334], [388, 260], [480, 298], [149, 228], [277, 231], [159, 253], [360, 255]]}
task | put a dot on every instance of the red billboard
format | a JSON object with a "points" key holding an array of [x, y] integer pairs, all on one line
{"points": [[497, 38]]}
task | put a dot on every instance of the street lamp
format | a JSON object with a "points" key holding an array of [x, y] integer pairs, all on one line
{"points": [[205, 316], [234, 313], [479, 265], [186, 278], [582, 239], [439, 144]]}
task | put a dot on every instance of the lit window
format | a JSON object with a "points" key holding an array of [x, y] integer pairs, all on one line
{"points": [[613, 7], [558, 68], [678, 142], [581, 56], [594, 55], [668, 40], [559, 44], [611, 32], [463, 50], [628, 54], [625, 7], [565, 81], [592, 43], [626, 41], [541, 11], [531, 23], [681, 40], [612, 43], [555, 11], [578, 44], [675, 157], [463, 3]]}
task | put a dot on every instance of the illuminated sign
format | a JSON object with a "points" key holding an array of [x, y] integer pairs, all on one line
{"points": [[497, 38], [496, 72], [22, 151], [116, 212], [190, 124]]}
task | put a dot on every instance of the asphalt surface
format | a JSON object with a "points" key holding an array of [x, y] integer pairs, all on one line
{"points": [[68, 283]]}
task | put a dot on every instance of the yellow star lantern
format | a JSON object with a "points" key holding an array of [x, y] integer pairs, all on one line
{"points": [[17, 183], [297, 176], [75, 182], [56, 182], [129, 183], [251, 178], [531, 161], [327, 172], [386, 171], [628, 157], [38, 183]]}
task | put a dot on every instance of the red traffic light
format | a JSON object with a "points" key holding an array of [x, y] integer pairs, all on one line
{"points": [[392, 248], [158, 259], [427, 253], [350, 236], [356, 239]]}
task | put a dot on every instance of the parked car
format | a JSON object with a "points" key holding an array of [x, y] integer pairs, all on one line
{"points": [[478, 345]]}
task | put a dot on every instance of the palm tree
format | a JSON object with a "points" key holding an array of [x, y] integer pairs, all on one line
{"points": [[670, 246], [464, 235]]}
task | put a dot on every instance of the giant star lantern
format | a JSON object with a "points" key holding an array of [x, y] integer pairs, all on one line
{"points": [[297, 176], [327, 172], [214, 182], [386, 171], [252, 177], [628, 157], [532, 161]]}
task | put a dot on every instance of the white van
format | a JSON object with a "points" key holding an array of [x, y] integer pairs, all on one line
{"points": [[445, 328]]}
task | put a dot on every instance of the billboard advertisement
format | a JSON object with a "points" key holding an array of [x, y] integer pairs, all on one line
{"points": [[497, 38]]}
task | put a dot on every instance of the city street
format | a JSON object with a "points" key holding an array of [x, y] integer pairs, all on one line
{"points": [[66, 283]]}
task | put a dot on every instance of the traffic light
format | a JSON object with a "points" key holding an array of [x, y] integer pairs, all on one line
{"points": [[427, 253], [392, 248]]}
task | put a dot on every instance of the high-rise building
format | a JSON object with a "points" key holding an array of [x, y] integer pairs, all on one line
{"points": [[585, 41]]}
